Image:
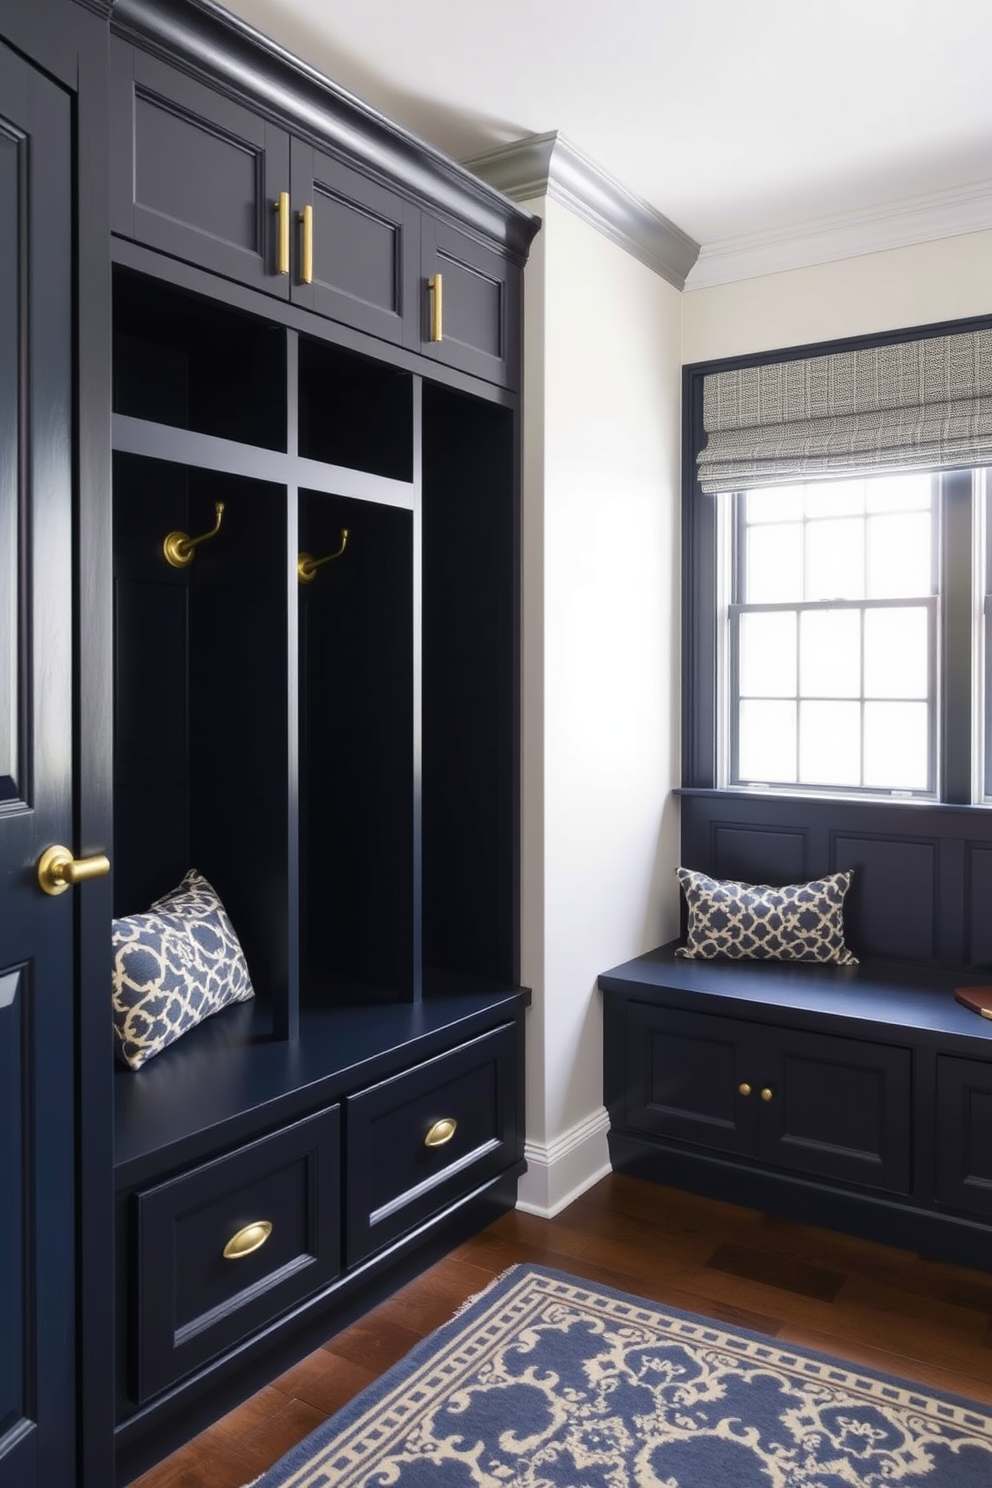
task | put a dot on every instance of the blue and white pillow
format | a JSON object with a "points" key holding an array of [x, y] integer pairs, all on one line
{"points": [[756, 922], [174, 966]]}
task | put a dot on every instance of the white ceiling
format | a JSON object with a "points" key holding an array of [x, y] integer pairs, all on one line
{"points": [[730, 117]]}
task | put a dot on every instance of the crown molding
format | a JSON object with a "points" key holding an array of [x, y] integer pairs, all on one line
{"points": [[897, 224], [549, 165]]}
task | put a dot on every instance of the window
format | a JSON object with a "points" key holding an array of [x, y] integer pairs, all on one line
{"points": [[832, 644], [837, 570]]}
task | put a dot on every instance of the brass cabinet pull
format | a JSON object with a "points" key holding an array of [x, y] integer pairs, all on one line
{"points": [[744, 1089], [282, 233], [249, 1239], [436, 284], [179, 548], [441, 1132], [306, 261], [767, 1094], [58, 870]]}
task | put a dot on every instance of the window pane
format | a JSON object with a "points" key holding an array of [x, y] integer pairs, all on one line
{"points": [[830, 653], [898, 493], [830, 743], [896, 653], [899, 556], [776, 504], [774, 564], [896, 746], [767, 742], [768, 654], [835, 498], [834, 559]]}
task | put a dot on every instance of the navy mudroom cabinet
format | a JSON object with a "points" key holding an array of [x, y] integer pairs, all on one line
{"points": [[239, 306]]}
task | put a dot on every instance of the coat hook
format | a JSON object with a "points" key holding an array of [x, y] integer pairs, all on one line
{"points": [[179, 549], [307, 565]]}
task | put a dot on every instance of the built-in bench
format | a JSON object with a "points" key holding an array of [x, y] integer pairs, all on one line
{"points": [[853, 1097]]}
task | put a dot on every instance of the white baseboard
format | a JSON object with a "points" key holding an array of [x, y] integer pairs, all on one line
{"points": [[561, 1171]]}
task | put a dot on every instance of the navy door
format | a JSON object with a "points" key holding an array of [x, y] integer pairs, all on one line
{"points": [[37, 1209]]}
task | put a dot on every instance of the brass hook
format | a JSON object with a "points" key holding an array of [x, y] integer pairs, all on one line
{"points": [[307, 565], [179, 548]]}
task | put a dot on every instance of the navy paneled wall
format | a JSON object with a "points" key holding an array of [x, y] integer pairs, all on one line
{"points": [[922, 887]]}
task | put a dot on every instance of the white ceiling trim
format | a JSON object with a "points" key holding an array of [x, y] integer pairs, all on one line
{"points": [[548, 165], [898, 224]]}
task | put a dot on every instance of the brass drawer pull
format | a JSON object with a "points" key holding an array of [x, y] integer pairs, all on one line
{"points": [[436, 286], [442, 1131], [282, 233], [306, 258], [251, 1238]]}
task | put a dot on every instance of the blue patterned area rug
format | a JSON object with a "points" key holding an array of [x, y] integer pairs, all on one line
{"points": [[546, 1381]]}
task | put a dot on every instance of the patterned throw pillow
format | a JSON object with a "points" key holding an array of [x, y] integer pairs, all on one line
{"points": [[173, 967], [755, 922]]}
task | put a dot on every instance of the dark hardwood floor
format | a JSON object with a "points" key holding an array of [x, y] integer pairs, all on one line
{"points": [[883, 1308]]}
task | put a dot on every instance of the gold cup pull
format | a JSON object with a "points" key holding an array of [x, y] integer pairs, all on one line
{"points": [[436, 286], [306, 257], [767, 1094], [744, 1089], [441, 1132], [282, 233], [58, 870], [249, 1239]]}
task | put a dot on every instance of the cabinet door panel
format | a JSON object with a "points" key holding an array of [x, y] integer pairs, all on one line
{"points": [[480, 304], [366, 245], [839, 1108], [195, 174], [683, 1072], [964, 1134]]}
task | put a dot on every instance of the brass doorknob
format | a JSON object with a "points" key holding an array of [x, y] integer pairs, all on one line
{"points": [[58, 870], [744, 1089], [767, 1094]]}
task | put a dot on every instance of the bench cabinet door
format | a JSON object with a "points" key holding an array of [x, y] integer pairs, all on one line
{"points": [[685, 1074], [964, 1134], [195, 174], [836, 1108]]}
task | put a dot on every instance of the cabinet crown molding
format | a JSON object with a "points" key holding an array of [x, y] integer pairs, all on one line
{"points": [[550, 165], [210, 43]]}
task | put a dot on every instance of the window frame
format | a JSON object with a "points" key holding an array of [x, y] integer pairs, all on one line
{"points": [[704, 716]]}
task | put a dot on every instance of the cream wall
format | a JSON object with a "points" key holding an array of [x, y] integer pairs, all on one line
{"points": [[600, 666], [948, 279]]}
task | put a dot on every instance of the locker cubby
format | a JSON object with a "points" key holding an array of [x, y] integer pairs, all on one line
{"points": [[354, 411], [191, 363], [201, 746]]}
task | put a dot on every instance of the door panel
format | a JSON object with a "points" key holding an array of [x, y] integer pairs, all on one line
{"points": [[684, 1076], [36, 963]]}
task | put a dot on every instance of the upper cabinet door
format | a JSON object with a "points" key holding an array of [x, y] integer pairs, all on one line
{"points": [[356, 248], [471, 304], [37, 1005], [197, 175]]}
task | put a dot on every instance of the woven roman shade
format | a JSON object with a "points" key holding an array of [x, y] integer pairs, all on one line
{"points": [[918, 404]]}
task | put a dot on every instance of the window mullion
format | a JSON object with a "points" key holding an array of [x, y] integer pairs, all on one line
{"points": [[954, 648]]}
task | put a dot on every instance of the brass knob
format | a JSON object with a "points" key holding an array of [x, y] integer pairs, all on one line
{"points": [[767, 1094], [442, 1131], [744, 1089], [247, 1240], [58, 869]]}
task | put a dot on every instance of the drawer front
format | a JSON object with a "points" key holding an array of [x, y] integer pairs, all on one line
{"points": [[191, 1301], [963, 1145], [195, 174], [395, 1177], [682, 1078], [837, 1107], [480, 307]]}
